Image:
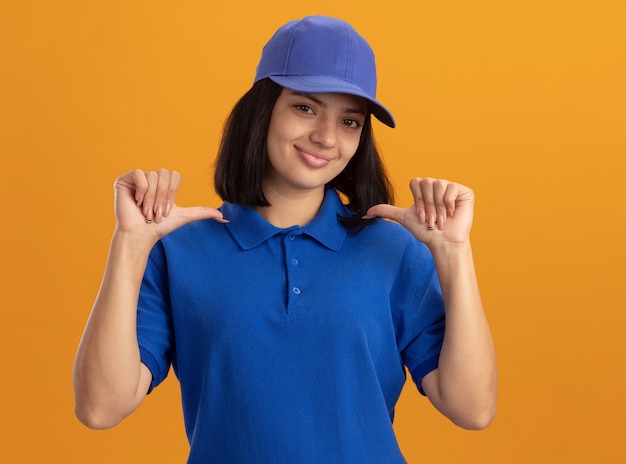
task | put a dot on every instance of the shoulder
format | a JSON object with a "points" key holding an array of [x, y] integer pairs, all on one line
{"points": [[386, 231], [390, 241], [193, 239], [388, 228], [206, 229]]}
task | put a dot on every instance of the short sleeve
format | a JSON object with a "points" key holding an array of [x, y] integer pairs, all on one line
{"points": [[419, 312], [154, 321]]}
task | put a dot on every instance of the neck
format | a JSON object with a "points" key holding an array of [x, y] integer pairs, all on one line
{"points": [[295, 208]]}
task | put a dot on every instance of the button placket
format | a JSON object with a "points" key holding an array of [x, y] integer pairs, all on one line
{"points": [[293, 264]]}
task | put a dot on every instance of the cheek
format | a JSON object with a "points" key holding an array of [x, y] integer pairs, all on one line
{"points": [[350, 147], [279, 132], [273, 140]]}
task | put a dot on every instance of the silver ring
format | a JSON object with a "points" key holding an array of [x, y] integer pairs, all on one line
{"points": [[148, 221], [431, 228]]}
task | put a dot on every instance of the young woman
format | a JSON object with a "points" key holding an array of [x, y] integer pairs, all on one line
{"points": [[290, 313]]}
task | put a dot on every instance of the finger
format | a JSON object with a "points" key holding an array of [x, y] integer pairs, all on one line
{"points": [[161, 194], [197, 213], [428, 198], [150, 195], [138, 179], [386, 211], [420, 207], [449, 199], [171, 194], [439, 191]]}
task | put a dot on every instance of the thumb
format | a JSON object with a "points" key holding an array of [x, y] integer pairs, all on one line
{"points": [[384, 210], [198, 213]]}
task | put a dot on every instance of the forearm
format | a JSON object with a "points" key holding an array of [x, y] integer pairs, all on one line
{"points": [[109, 380], [467, 374]]}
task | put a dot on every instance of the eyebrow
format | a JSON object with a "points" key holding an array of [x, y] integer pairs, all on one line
{"points": [[315, 99]]}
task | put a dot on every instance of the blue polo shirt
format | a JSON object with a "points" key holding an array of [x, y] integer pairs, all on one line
{"points": [[290, 345]]}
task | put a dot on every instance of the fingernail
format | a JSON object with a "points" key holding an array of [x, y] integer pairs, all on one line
{"points": [[368, 216], [168, 207]]}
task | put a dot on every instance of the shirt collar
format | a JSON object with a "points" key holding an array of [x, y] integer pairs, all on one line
{"points": [[250, 229]]}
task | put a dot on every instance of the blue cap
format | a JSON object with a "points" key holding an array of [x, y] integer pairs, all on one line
{"points": [[319, 54]]}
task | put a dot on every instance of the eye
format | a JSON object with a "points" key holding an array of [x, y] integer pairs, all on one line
{"points": [[352, 123], [304, 108]]}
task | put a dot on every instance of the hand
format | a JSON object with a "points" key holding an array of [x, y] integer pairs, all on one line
{"points": [[144, 202], [443, 211]]}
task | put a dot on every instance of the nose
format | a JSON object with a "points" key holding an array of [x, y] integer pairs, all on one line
{"points": [[324, 133]]}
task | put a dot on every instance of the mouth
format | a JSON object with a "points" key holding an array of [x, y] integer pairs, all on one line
{"points": [[313, 159]]}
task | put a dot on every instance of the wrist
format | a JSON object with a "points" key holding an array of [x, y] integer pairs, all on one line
{"points": [[133, 242], [446, 248], [451, 256]]}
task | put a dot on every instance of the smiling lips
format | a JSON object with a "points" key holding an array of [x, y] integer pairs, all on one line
{"points": [[313, 159]]}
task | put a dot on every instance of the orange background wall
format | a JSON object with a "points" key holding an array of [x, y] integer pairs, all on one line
{"points": [[522, 100]]}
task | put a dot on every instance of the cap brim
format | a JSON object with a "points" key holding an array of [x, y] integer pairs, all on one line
{"points": [[326, 84]]}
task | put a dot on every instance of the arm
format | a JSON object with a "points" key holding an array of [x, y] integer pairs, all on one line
{"points": [[109, 379], [464, 387]]}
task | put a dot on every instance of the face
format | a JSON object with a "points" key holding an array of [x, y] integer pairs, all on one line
{"points": [[311, 139]]}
